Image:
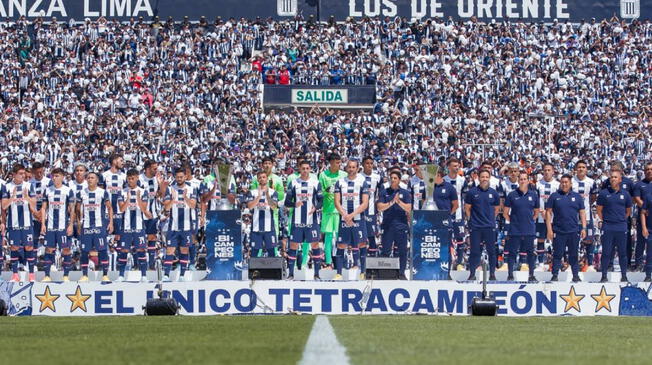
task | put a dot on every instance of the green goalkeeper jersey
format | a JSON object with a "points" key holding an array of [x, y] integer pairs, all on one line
{"points": [[327, 179]]}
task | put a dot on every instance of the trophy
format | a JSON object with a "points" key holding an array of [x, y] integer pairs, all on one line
{"points": [[429, 173], [223, 173]]}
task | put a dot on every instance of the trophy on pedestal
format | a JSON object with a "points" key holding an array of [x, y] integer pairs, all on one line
{"points": [[429, 173], [223, 174]]}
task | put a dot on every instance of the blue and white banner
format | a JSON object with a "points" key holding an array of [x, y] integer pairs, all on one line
{"points": [[499, 10], [431, 240], [369, 297], [224, 245]]}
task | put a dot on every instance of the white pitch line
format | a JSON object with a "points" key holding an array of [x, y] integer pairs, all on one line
{"points": [[322, 346]]}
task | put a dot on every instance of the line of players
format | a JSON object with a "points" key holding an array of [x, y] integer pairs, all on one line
{"points": [[128, 206], [560, 224], [95, 209]]}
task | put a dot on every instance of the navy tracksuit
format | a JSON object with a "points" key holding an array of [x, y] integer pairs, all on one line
{"points": [[565, 209], [521, 230], [482, 224], [614, 226]]}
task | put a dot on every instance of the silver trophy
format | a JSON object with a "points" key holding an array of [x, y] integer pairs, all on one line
{"points": [[223, 173], [429, 173]]}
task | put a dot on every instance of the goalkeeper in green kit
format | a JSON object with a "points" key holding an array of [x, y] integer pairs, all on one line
{"points": [[330, 221]]}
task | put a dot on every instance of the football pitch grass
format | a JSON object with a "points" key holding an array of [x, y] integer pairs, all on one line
{"points": [[367, 339]]}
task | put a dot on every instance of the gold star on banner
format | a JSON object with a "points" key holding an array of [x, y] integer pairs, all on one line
{"points": [[47, 300], [603, 300], [572, 300], [78, 300]]}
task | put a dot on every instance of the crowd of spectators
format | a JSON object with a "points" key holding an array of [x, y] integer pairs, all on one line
{"points": [[173, 92]]}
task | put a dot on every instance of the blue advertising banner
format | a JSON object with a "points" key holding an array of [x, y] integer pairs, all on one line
{"points": [[431, 239], [500, 10], [224, 245], [342, 297]]}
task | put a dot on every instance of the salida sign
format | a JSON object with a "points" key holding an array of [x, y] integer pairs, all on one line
{"points": [[320, 96]]}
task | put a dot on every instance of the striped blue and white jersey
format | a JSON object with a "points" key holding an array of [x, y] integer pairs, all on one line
{"points": [[508, 187], [545, 189], [417, 188], [151, 187], [93, 210], [375, 187], [351, 193], [459, 182], [19, 217], [39, 190], [180, 212], [59, 201], [77, 187], [262, 215], [586, 188], [133, 216], [195, 184], [114, 183], [309, 192]]}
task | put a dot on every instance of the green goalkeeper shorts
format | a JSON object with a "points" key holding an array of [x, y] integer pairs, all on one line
{"points": [[330, 223]]}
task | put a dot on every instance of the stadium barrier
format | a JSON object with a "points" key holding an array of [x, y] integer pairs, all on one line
{"points": [[366, 297], [513, 10]]}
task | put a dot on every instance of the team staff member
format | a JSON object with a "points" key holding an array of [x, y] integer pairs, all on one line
{"points": [[330, 221], [614, 207], [395, 203], [520, 211], [482, 204], [627, 185], [641, 190], [565, 206], [646, 223]]}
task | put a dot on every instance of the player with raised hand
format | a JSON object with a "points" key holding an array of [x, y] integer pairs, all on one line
{"points": [[330, 220], [305, 196], [351, 201], [94, 215], [18, 200], [57, 222], [180, 200], [133, 206]]}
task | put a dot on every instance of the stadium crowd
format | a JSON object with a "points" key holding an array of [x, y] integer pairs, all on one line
{"points": [[189, 94]]}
